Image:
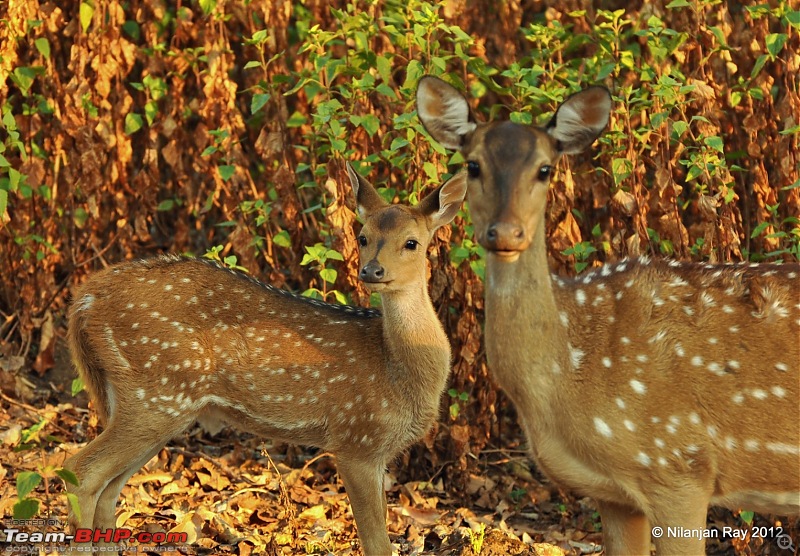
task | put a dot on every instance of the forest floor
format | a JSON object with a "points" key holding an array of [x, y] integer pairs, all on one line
{"points": [[237, 494]]}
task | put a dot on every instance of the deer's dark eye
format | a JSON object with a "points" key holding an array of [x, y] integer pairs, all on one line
{"points": [[411, 244], [473, 169], [362, 240], [544, 172]]}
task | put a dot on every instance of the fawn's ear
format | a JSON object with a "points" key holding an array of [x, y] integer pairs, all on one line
{"points": [[441, 206], [580, 119], [367, 199], [444, 112]]}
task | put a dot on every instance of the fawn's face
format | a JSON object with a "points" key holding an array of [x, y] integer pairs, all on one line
{"points": [[394, 240], [393, 245]]}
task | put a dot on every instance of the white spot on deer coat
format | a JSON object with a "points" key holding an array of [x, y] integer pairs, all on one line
{"points": [[602, 427]]}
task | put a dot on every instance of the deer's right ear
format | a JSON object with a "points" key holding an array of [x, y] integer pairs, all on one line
{"points": [[444, 112], [441, 206], [367, 199]]}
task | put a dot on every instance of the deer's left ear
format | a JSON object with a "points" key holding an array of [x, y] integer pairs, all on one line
{"points": [[367, 199], [580, 119], [441, 206]]}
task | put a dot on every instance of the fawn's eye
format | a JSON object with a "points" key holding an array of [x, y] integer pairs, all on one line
{"points": [[544, 172], [411, 244], [362, 240], [473, 169]]}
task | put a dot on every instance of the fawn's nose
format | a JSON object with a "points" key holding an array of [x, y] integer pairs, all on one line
{"points": [[505, 236], [372, 272]]}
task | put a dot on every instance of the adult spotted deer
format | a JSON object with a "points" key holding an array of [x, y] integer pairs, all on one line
{"points": [[161, 343], [656, 387]]}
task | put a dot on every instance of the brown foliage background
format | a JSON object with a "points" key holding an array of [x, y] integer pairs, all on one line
{"points": [[142, 139]]}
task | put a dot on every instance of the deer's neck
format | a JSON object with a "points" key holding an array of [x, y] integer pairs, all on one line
{"points": [[526, 344], [417, 347]]}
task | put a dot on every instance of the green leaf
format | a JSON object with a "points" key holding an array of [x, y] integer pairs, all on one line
{"points": [[333, 255], [328, 274], [760, 61], [86, 15], [131, 27], [43, 46], [3, 203], [74, 504], [715, 143], [14, 179], [621, 168], [258, 102], [296, 120], [454, 411], [76, 386], [775, 42], [369, 122], [165, 205], [24, 76], [758, 230], [693, 172], [252, 64], [680, 127], [747, 517], [678, 4], [414, 72], [68, 476], [133, 123], [26, 482], [79, 217], [226, 171], [26, 509], [208, 6], [793, 18], [151, 111], [282, 239]]}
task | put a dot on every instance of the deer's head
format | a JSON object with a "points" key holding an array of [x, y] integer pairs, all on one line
{"points": [[509, 165], [394, 239]]}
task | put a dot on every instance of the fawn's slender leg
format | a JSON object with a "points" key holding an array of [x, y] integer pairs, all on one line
{"points": [[684, 510], [363, 481], [97, 466], [626, 531], [104, 517]]}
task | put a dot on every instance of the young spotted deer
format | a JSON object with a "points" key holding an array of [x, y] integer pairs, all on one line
{"points": [[656, 387], [161, 343]]}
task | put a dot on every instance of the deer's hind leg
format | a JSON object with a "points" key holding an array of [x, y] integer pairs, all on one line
{"points": [[105, 464]]}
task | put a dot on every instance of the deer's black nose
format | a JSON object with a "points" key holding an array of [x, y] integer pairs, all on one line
{"points": [[372, 272]]}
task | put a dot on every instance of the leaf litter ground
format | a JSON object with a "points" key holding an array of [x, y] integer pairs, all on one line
{"points": [[238, 494]]}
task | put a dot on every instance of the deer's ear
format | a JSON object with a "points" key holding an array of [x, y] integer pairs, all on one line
{"points": [[367, 199], [444, 112], [580, 119], [441, 206]]}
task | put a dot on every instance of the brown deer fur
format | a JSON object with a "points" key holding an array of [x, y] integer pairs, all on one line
{"points": [[657, 387], [163, 342]]}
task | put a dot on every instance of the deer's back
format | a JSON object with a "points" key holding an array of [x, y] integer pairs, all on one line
{"points": [[181, 336]]}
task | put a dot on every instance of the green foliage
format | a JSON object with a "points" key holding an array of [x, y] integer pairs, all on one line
{"points": [[459, 401], [317, 257], [28, 505], [229, 261]]}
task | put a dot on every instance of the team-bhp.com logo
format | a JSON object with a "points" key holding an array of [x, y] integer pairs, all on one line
{"points": [[122, 535], [115, 536]]}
